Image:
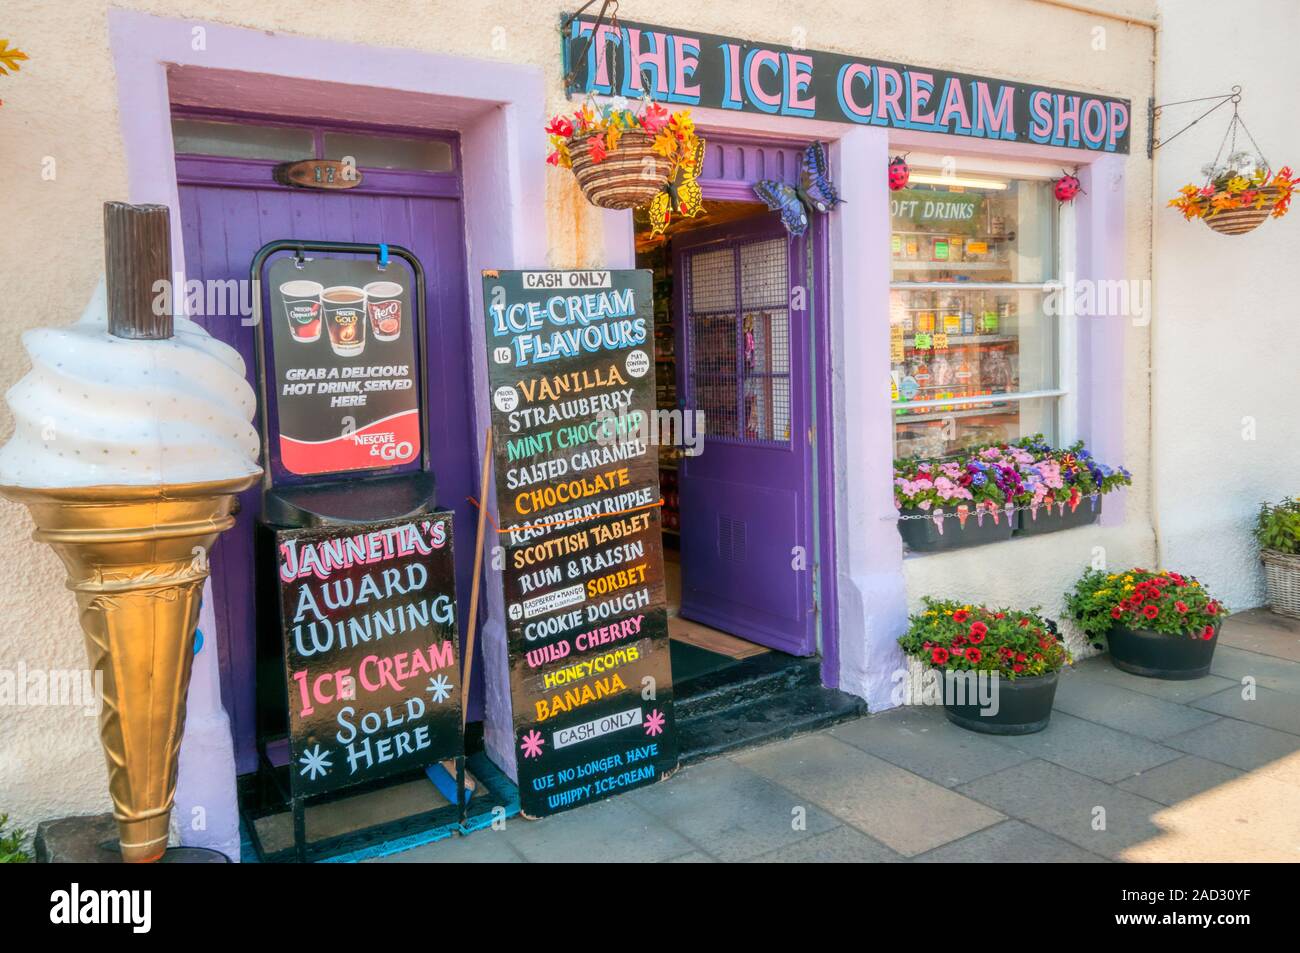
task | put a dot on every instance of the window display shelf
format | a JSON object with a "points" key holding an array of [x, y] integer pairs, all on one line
{"points": [[927, 265], [906, 417], [965, 340]]}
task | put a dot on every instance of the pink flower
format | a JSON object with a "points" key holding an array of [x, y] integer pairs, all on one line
{"points": [[560, 127], [655, 118]]}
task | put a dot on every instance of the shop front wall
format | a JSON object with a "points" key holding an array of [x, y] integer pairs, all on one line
{"points": [[493, 74]]}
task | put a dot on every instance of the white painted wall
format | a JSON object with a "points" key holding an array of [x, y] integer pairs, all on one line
{"points": [[1225, 338]]}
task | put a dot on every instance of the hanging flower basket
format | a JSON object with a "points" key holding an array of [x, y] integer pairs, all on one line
{"points": [[1237, 219], [622, 158], [633, 174], [1237, 197]]}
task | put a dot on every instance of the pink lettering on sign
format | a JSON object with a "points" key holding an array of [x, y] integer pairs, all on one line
{"points": [[731, 95], [1094, 122], [686, 60], [889, 95], [1067, 116], [1040, 116], [323, 558], [758, 60], [995, 121], [798, 78], [848, 74], [599, 47], [1118, 115], [920, 87], [954, 105], [654, 60]]}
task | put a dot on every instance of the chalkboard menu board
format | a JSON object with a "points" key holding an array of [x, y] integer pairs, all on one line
{"points": [[370, 649], [571, 374], [343, 339]]}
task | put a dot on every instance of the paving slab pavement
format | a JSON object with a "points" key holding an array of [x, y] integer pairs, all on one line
{"points": [[1129, 770]]}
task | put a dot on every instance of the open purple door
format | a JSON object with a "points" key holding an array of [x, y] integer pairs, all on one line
{"points": [[746, 534]]}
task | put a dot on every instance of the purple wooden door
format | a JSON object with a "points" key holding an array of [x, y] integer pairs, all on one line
{"points": [[746, 537], [229, 209]]}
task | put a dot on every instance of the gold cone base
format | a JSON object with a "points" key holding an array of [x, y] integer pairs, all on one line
{"points": [[136, 558]]}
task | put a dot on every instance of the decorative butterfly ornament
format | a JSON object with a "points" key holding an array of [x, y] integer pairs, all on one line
{"points": [[814, 191], [682, 194]]}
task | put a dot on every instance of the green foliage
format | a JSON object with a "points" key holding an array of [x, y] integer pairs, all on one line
{"points": [[11, 845], [950, 635], [1278, 526], [1165, 601]]}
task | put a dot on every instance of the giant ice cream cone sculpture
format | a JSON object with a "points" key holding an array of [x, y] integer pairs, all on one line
{"points": [[131, 441]]}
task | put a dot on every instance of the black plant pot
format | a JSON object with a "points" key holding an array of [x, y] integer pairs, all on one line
{"points": [[1049, 519], [1024, 705], [1157, 655], [923, 536]]}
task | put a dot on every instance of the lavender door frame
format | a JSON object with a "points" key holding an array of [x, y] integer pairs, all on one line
{"points": [[733, 162], [446, 295], [795, 462]]}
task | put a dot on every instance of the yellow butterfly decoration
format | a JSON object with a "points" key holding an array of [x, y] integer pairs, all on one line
{"points": [[682, 195]]}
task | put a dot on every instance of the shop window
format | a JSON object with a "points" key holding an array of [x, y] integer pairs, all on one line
{"points": [[242, 140], [975, 358], [738, 322], [390, 152]]}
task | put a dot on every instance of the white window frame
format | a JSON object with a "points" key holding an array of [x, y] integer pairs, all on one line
{"points": [[1065, 394]]}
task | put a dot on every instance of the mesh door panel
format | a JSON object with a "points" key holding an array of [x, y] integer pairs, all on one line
{"points": [[739, 370]]}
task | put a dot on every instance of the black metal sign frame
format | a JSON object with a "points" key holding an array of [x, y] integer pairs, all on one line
{"points": [[339, 248]]}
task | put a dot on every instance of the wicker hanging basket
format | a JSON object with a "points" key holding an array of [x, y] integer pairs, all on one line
{"points": [[1238, 221], [1282, 576], [631, 175]]}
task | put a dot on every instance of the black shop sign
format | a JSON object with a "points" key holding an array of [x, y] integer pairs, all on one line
{"points": [[688, 68], [571, 378], [370, 650]]}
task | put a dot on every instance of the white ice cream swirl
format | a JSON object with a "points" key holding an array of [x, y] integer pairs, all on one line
{"points": [[98, 410]]}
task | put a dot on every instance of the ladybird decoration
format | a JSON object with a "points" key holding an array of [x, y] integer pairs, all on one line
{"points": [[1067, 187], [899, 173]]}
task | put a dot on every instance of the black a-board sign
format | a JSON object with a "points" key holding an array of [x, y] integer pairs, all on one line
{"points": [[355, 561], [371, 653], [572, 390]]}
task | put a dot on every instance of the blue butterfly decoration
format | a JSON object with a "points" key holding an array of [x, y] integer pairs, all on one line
{"points": [[797, 202]]}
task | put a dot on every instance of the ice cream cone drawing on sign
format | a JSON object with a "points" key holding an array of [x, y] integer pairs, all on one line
{"points": [[131, 442]]}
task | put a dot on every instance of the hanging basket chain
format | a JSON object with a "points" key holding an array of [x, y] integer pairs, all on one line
{"points": [[1268, 167]]}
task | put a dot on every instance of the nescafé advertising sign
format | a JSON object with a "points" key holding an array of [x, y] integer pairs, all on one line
{"points": [[701, 69]]}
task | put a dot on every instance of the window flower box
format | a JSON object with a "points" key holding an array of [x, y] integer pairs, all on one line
{"points": [[1054, 517], [1025, 489], [938, 529]]}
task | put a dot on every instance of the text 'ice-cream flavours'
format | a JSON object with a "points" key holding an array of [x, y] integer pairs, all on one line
{"points": [[99, 410]]}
